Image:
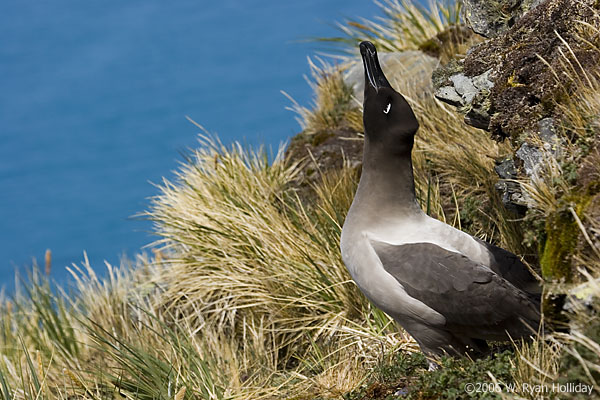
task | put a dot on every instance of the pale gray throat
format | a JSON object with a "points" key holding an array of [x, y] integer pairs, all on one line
{"points": [[386, 185]]}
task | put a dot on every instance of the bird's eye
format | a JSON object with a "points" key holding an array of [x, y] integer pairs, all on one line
{"points": [[387, 108]]}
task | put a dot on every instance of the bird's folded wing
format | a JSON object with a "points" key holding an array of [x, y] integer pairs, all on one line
{"points": [[464, 292], [511, 268]]}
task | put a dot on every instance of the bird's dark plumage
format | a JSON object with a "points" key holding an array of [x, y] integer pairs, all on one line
{"points": [[472, 298], [450, 291], [511, 268]]}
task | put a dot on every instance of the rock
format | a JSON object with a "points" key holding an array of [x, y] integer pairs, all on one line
{"points": [[551, 142], [449, 95], [464, 87], [483, 82], [458, 84], [582, 296], [506, 168], [509, 189], [478, 118], [460, 90], [531, 158], [401, 68], [490, 18], [441, 75], [512, 197], [487, 17], [546, 127]]}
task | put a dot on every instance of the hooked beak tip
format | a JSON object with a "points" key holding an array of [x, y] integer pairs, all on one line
{"points": [[373, 72]]}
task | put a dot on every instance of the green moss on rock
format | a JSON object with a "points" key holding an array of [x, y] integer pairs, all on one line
{"points": [[562, 235], [561, 239]]}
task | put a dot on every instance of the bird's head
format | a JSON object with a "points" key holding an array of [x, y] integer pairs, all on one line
{"points": [[388, 119]]}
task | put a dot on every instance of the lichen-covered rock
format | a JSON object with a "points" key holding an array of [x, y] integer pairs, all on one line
{"points": [[455, 88], [489, 18], [510, 191], [524, 61], [527, 163], [478, 117], [464, 87], [531, 158], [448, 94], [515, 72]]}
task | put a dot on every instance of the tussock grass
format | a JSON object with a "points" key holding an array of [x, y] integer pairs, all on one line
{"points": [[246, 298], [406, 25], [245, 256], [240, 236], [333, 107]]}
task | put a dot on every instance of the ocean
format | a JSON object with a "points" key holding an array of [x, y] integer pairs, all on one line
{"points": [[93, 103]]}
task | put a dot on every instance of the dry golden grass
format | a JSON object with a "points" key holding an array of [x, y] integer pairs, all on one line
{"points": [[247, 258], [247, 298], [333, 107], [405, 25]]}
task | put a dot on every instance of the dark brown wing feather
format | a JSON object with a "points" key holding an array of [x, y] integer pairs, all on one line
{"points": [[510, 267], [471, 297]]}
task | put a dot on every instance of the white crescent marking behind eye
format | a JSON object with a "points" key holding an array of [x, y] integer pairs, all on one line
{"points": [[388, 108]]}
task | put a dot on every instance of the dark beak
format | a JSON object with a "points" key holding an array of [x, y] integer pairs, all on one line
{"points": [[373, 73]]}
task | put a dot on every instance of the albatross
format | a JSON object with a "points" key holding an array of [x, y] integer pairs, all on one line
{"points": [[450, 291]]}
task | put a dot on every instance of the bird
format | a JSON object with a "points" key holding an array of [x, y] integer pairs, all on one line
{"points": [[450, 291]]}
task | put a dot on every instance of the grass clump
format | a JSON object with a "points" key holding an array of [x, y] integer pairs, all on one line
{"points": [[406, 25], [245, 298], [333, 108], [245, 256]]}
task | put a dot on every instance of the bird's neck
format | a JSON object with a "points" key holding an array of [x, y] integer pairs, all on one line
{"points": [[387, 185]]}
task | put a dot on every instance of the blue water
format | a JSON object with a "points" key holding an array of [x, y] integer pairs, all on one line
{"points": [[93, 99]]}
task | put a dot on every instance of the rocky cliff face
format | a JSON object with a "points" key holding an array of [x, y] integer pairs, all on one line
{"points": [[512, 81], [531, 82]]}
